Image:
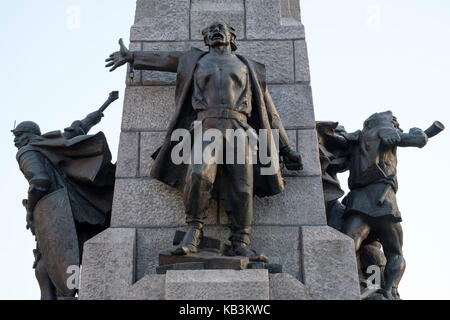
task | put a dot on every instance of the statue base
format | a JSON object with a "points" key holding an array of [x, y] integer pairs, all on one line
{"points": [[111, 264], [202, 260], [212, 254]]}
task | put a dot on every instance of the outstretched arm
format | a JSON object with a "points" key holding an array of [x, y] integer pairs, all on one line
{"points": [[82, 127], [415, 138], [144, 60]]}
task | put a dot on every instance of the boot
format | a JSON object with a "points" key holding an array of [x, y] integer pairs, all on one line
{"points": [[386, 294], [190, 242], [242, 249], [395, 294]]}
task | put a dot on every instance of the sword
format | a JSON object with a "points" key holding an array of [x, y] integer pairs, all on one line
{"points": [[30, 225], [384, 195]]}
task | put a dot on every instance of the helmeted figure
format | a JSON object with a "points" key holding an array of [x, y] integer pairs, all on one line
{"points": [[222, 91], [71, 182]]}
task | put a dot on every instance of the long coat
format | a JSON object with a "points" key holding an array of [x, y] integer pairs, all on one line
{"points": [[264, 115], [82, 165]]}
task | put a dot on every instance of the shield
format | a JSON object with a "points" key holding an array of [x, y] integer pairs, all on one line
{"points": [[57, 238]]}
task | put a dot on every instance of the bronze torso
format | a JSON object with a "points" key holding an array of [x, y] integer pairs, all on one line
{"points": [[222, 81]]}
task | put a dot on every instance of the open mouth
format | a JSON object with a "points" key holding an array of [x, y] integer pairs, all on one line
{"points": [[217, 36]]}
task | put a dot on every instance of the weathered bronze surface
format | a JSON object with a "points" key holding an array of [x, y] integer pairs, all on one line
{"points": [[224, 91], [369, 213], [71, 180]]}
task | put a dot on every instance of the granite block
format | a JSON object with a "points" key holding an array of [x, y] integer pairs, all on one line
{"points": [[148, 108], [273, 19], [127, 158], [294, 104], [161, 20], [283, 286], [217, 285], [204, 12], [150, 203], [329, 264]]}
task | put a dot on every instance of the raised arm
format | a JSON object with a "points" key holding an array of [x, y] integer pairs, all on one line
{"points": [[415, 138], [82, 127], [144, 60]]}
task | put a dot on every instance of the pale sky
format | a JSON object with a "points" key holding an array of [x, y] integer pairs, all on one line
{"points": [[365, 56]]}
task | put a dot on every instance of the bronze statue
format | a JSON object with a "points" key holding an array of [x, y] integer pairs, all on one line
{"points": [[333, 155], [371, 212], [334, 152], [71, 180], [224, 91]]}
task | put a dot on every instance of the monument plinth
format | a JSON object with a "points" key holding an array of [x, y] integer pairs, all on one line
{"points": [[290, 228]]}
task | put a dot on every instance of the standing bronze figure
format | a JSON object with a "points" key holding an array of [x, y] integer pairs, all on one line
{"points": [[71, 180], [335, 151], [371, 212], [223, 91]]}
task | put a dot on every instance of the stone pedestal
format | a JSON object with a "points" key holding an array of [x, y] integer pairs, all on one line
{"points": [[217, 285], [290, 228]]}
